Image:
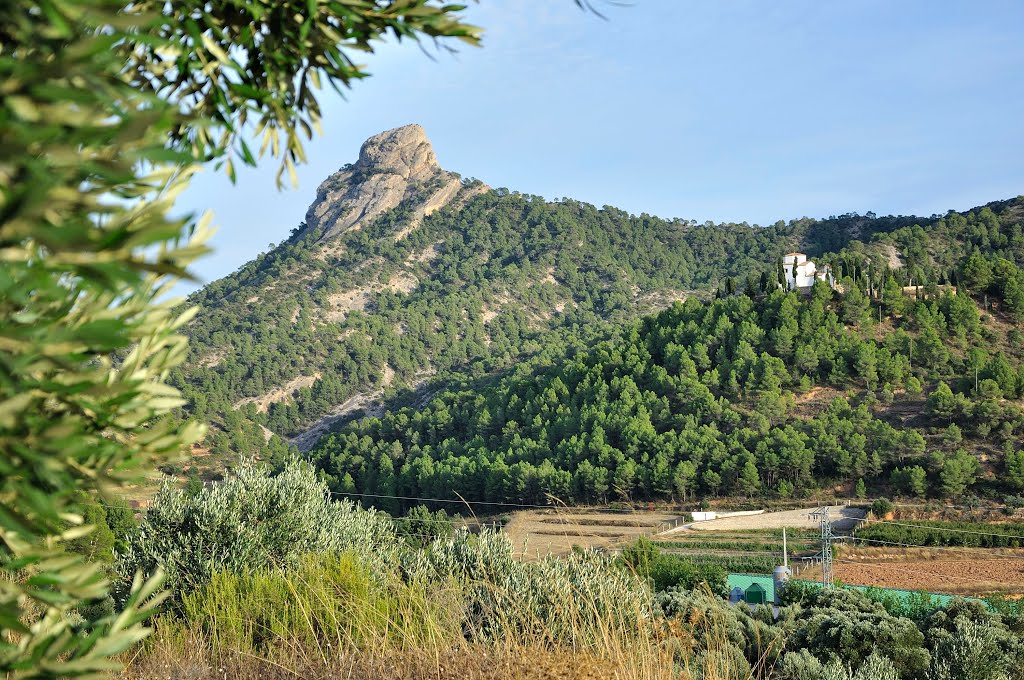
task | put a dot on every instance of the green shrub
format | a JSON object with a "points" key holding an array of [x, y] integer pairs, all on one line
{"points": [[881, 507], [675, 571], [875, 667], [421, 526], [800, 664], [971, 652], [98, 544], [965, 534], [968, 640], [915, 606], [665, 571], [723, 633], [250, 521], [847, 626]]}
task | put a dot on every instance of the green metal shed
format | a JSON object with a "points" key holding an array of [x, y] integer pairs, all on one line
{"points": [[755, 594], [745, 582]]}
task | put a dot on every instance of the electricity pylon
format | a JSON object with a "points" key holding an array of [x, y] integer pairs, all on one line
{"points": [[826, 545]]}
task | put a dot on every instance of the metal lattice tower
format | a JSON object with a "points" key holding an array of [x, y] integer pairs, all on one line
{"points": [[826, 545]]}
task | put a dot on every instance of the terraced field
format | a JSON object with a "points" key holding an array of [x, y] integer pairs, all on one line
{"points": [[537, 533], [744, 550]]}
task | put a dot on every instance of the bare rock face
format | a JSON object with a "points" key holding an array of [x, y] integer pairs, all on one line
{"points": [[392, 166]]}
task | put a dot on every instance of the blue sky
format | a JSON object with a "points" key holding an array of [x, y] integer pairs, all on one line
{"points": [[739, 110]]}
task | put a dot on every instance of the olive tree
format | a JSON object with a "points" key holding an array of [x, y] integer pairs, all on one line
{"points": [[251, 520], [845, 626], [106, 107]]}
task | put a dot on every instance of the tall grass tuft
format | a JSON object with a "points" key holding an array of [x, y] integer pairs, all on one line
{"points": [[464, 601], [327, 601]]}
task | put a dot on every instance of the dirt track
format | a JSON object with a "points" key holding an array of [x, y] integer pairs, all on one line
{"points": [[843, 519]]}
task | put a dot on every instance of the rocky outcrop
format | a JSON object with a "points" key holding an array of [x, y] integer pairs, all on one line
{"points": [[393, 166]]}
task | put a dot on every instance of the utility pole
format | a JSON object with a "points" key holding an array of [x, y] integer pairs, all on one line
{"points": [[826, 545]]}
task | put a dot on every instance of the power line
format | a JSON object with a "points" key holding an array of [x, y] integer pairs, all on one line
{"points": [[970, 551], [717, 552], [448, 500], [498, 504], [346, 494], [554, 506], [816, 513]]}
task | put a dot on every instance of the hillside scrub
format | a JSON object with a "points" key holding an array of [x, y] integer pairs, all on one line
{"points": [[501, 252], [373, 604], [570, 265]]}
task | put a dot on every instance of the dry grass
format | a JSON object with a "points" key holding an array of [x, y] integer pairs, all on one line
{"points": [[536, 533], [334, 619], [603, 521], [463, 662], [664, 650], [814, 401]]}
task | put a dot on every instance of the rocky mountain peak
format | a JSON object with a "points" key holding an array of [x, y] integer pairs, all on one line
{"points": [[404, 151], [392, 166]]}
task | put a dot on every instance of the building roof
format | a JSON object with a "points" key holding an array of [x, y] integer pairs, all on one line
{"points": [[795, 255], [745, 581]]}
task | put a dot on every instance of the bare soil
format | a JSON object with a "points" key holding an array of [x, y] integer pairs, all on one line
{"points": [[279, 394], [961, 571], [537, 533]]}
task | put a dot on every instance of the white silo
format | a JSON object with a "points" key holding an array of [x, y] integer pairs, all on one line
{"points": [[781, 574]]}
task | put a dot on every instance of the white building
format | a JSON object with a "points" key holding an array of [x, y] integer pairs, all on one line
{"points": [[806, 272]]}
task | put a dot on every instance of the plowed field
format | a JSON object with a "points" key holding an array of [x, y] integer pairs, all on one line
{"points": [[957, 572]]}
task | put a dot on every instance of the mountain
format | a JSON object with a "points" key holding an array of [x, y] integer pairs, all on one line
{"points": [[405, 276]]}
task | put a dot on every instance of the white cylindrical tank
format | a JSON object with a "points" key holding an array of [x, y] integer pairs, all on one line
{"points": [[779, 578]]}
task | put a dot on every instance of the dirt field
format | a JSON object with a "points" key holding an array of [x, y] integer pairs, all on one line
{"points": [[843, 519], [536, 533], [957, 572]]}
